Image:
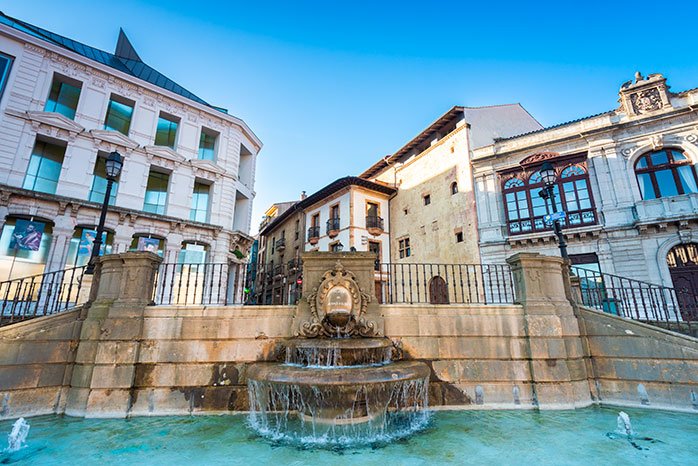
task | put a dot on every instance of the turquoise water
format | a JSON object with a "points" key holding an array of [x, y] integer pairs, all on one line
{"points": [[585, 436]]}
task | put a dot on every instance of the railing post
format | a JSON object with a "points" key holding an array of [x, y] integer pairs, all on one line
{"points": [[553, 340], [113, 327]]}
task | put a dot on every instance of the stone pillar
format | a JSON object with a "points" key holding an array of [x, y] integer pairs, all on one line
{"points": [[111, 333], [556, 355]]}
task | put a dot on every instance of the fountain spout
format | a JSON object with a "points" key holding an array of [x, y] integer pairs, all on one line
{"points": [[18, 435], [623, 424]]}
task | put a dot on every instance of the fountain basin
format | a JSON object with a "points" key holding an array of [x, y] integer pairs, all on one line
{"points": [[339, 352], [399, 371]]}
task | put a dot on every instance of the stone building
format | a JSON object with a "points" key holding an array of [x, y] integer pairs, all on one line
{"points": [[626, 180], [433, 211], [187, 184]]}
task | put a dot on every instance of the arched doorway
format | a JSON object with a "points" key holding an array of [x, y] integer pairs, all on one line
{"points": [[683, 267], [438, 291]]}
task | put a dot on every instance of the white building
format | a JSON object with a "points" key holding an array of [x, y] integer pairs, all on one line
{"points": [[188, 177], [626, 179]]}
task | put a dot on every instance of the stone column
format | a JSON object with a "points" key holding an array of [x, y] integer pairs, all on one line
{"points": [[556, 356], [111, 333]]}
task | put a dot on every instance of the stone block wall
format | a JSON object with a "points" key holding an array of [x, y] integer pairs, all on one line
{"points": [[640, 365], [36, 361]]}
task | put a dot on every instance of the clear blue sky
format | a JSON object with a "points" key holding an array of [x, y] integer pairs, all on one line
{"points": [[332, 86]]}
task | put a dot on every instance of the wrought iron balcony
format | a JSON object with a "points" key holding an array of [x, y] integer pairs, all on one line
{"points": [[374, 225], [294, 265], [333, 227], [281, 244], [313, 234]]}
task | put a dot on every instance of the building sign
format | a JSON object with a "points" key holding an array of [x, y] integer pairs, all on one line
{"points": [[27, 235]]}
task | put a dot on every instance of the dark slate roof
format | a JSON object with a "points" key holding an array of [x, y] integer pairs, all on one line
{"points": [[325, 192], [125, 58], [609, 112]]}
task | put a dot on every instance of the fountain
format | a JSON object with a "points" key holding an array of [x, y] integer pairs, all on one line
{"points": [[338, 384], [623, 424], [18, 435]]}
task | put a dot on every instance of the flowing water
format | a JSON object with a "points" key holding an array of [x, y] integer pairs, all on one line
{"points": [[580, 437]]}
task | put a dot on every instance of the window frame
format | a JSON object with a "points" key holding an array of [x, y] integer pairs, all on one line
{"points": [[123, 101], [671, 165], [61, 79], [5, 74], [173, 120], [155, 170], [194, 211], [42, 156], [115, 186], [214, 150], [530, 185], [404, 248]]}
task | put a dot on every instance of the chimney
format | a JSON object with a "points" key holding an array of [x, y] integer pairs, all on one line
{"points": [[303, 195]]}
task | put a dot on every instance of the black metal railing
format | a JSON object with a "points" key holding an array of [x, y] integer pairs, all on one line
{"points": [[200, 284], [313, 232], [398, 283], [281, 244], [284, 286], [294, 265], [41, 295], [332, 225], [373, 221], [635, 299]]}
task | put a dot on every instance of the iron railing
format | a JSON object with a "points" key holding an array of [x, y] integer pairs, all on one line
{"points": [[332, 225], [313, 232], [635, 299], [398, 283], [200, 284], [373, 221], [281, 244], [41, 295]]}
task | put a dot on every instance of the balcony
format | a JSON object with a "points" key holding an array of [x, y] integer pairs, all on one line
{"points": [[294, 265], [333, 227], [281, 244], [313, 235], [374, 225]]}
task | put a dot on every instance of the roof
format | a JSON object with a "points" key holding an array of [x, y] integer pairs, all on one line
{"points": [[124, 59], [325, 192], [609, 112], [454, 114]]}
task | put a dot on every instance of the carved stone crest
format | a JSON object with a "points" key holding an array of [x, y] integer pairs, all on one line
{"points": [[646, 101], [338, 307]]}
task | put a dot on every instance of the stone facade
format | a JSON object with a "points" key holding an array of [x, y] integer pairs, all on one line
{"points": [[36, 65], [631, 234]]}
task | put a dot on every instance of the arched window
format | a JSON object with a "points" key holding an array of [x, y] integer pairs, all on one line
{"points": [[80, 249], [526, 209], [438, 291], [665, 173], [146, 242], [24, 247], [454, 188]]}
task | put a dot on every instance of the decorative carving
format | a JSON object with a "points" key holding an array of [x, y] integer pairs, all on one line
{"points": [[626, 152], [692, 138], [646, 101], [539, 157], [338, 307]]}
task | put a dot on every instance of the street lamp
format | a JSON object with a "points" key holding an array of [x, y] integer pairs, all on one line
{"points": [[547, 173], [113, 165], [339, 247]]}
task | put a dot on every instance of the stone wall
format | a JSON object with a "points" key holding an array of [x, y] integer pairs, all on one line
{"points": [[36, 360], [640, 365]]}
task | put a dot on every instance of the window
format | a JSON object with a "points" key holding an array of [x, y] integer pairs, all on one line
{"points": [[119, 113], [333, 222], [24, 247], [665, 173], [404, 248], [63, 97], [156, 192], [192, 253], [375, 247], [427, 199], [99, 182], [525, 208], [200, 202], [207, 144], [166, 132], [147, 243], [44, 167], [459, 237], [5, 67], [273, 244], [80, 249], [298, 226], [454, 188], [372, 209]]}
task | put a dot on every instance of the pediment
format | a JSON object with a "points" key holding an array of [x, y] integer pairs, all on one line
{"points": [[164, 153], [53, 119], [113, 137], [208, 166], [539, 157]]}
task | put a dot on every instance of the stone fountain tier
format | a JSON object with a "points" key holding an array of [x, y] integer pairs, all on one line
{"points": [[399, 371], [339, 352], [336, 396]]}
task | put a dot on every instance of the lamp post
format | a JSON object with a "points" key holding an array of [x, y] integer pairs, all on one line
{"points": [[547, 173], [113, 168]]}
